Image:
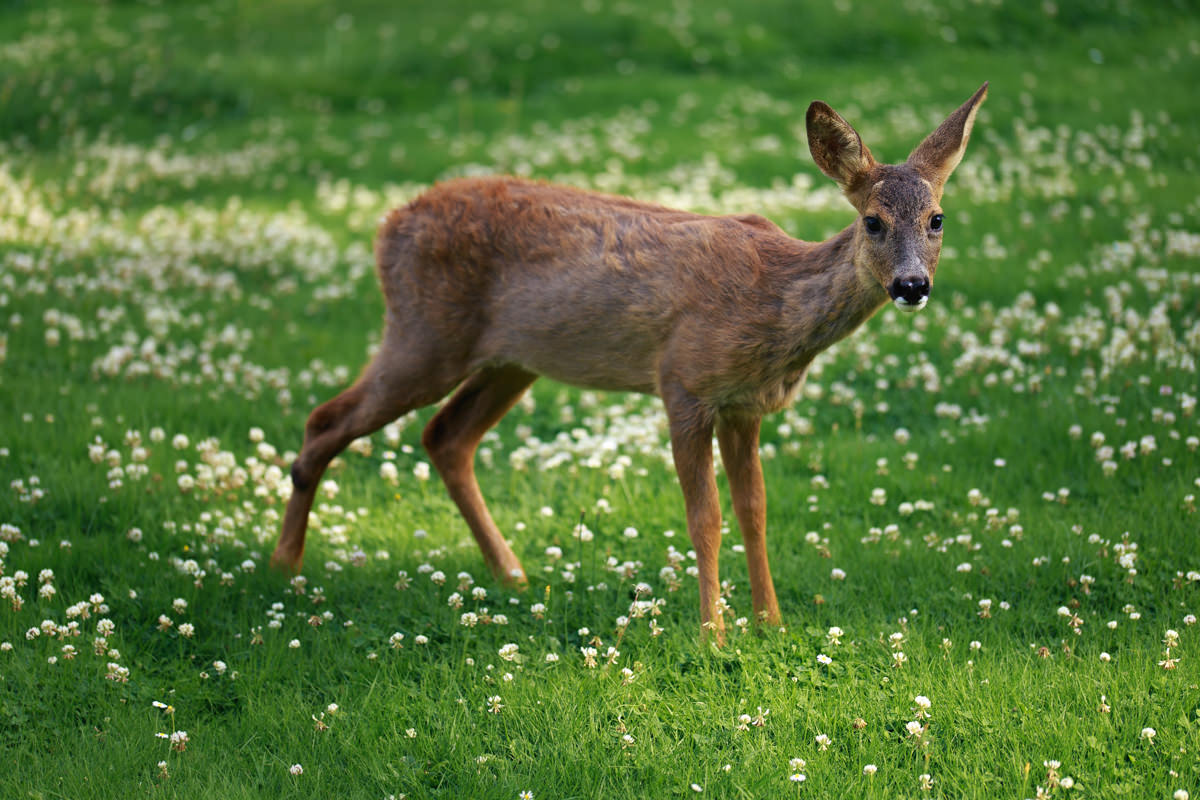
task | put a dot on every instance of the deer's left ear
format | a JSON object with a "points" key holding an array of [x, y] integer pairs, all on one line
{"points": [[937, 156]]}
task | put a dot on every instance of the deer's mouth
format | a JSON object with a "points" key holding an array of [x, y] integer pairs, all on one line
{"points": [[910, 306]]}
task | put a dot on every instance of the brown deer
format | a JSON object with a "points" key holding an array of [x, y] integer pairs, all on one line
{"points": [[492, 282]]}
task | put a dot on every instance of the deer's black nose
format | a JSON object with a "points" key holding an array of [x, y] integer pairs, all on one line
{"points": [[911, 290]]}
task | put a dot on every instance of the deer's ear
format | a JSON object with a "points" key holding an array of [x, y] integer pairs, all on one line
{"points": [[836, 147], [937, 156]]}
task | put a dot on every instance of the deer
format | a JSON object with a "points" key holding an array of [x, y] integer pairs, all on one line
{"points": [[492, 282]]}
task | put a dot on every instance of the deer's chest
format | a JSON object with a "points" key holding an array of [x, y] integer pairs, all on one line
{"points": [[772, 393]]}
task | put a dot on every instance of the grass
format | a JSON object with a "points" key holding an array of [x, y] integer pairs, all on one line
{"points": [[187, 196]]}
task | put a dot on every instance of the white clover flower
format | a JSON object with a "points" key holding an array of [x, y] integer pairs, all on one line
{"points": [[296, 769], [869, 769]]}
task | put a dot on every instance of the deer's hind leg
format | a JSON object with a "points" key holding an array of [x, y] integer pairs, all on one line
{"points": [[451, 439], [404, 375]]}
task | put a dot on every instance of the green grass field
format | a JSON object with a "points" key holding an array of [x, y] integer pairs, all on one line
{"points": [[993, 501]]}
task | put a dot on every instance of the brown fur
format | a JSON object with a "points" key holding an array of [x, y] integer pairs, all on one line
{"points": [[492, 282]]}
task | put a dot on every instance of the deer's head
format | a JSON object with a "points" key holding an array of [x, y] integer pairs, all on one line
{"points": [[899, 232]]}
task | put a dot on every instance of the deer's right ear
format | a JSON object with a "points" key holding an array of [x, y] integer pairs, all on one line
{"points": [[836, 147]]}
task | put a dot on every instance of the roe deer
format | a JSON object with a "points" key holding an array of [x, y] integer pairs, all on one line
{"points": [[492, 282]]}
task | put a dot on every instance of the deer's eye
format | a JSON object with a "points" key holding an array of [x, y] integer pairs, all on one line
{"points": [[936, 222], [873, 225]]}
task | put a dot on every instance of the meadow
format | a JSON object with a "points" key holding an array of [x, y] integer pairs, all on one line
{"points": [[981, 518]]}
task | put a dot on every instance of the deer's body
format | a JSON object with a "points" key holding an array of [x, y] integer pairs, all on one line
{"points": [[607, 293], [492, 282]]}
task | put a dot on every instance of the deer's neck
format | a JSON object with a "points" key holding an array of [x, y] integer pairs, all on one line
{"points": [[828, 297]]}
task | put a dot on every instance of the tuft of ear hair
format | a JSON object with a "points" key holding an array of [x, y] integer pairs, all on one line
{"points": [[836, 147], [936, 157]]}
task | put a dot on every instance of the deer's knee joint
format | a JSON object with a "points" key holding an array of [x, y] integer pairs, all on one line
{"points": [[300, 479], [319, 421], [441, 444], [335, 412], [433, 439], [751, 508]]}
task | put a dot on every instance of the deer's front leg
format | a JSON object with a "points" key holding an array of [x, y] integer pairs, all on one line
{"points": [[738, 437], [691, 444]]}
